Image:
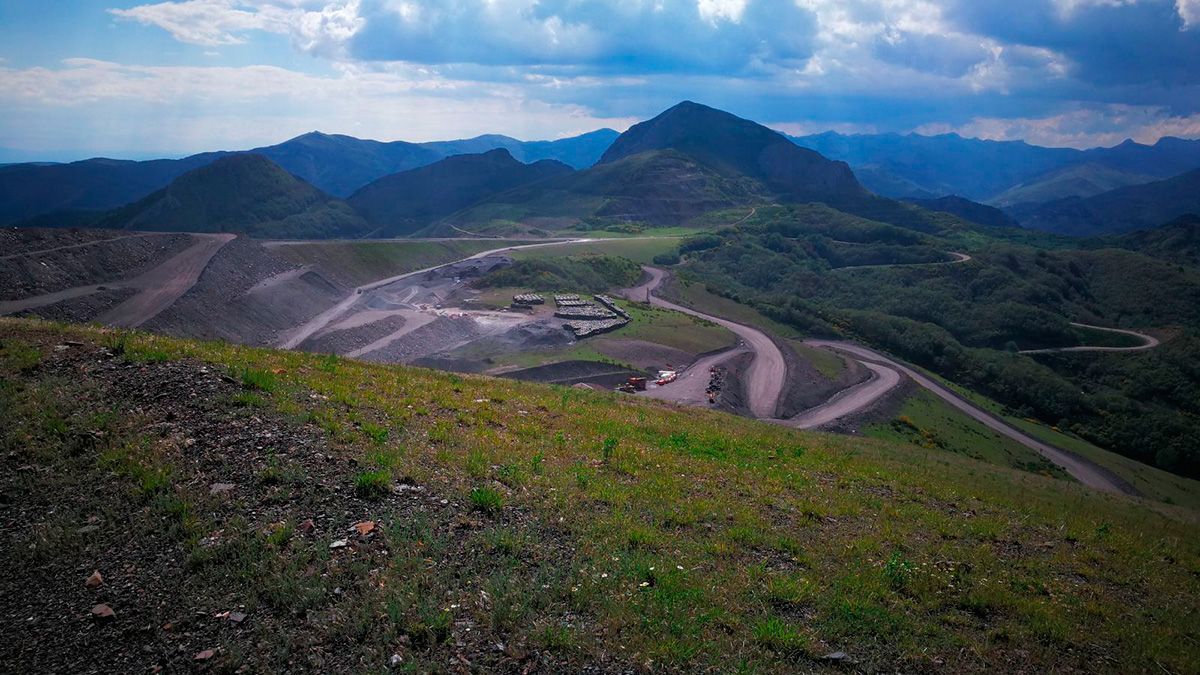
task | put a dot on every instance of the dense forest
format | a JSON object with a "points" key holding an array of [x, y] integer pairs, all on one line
{"points": [[827, 273]]}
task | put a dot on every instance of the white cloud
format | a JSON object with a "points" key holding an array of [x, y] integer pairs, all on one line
{"points": [[193, 108], [319, 27], [208, 22], [1090, 127], [715, 10], [1189, 11]]}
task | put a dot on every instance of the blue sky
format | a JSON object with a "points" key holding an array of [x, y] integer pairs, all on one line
{"points": [[168, 78]]}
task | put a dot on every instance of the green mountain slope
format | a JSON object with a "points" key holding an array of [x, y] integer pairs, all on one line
{"points": [[405, 202], [738, 147], [1082, 180], [354, 515], [661, 187], [1178, 240], [1125, 209], [980, 214], [240, 193]]}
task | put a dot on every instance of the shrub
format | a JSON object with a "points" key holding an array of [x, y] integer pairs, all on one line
{"points": [[486, 500], [373, 484], [260, 380]]}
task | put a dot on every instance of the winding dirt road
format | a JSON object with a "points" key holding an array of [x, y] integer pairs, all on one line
{"points": [[849, 401], [1148, 342], [767, 373], [1083, 470]]}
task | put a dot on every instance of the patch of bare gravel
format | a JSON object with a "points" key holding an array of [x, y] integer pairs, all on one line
{"points": [[69, 265]]}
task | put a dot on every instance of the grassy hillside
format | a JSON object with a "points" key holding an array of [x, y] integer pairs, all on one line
{"points": [[510, 526], [242, 193], [405, 202]]}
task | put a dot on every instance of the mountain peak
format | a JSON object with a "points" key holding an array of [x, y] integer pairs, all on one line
{"points": [[735, 146]]}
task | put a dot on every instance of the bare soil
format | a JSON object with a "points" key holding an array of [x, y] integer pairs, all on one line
{"points": [[807, 387], [225, 303], [69, 259], [83, 308]]}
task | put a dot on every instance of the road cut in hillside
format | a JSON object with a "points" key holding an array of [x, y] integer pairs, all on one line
{"points": [[767, 372], [1148, 342]]}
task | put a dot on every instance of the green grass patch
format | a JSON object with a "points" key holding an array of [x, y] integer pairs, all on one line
{"points": [[486, 499], [373, 484]]}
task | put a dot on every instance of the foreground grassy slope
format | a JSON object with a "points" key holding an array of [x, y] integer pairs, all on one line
{"points": [[519, 526]]}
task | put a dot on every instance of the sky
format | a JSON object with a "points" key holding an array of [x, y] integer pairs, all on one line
{"points": [[127, 79]]}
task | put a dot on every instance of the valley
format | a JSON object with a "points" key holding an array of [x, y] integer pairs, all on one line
{"points": [[697, 396]]}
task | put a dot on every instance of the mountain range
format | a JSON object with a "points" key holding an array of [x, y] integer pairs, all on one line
{"points": [[688, 161], [404, 202], [336, 164], [912, 165], [1136, 207]]}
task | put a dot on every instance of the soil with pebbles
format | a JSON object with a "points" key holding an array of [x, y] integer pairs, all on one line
{"points": [[169, 616], [231, 302], [82, 309], [347, 340], [807, 387]]}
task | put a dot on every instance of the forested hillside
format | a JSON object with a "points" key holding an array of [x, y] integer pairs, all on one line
{"points": [[967, 320]]}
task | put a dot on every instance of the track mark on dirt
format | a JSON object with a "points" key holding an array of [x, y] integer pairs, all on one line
{"points": [[85, 244], [166, 283], [158, 287]]}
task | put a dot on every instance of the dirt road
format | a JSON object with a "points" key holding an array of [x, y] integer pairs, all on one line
{"points": [[164, 284], [1148, 342], [767, 372], [690, 388], [157, 288], [1085, 471], [959, 258], [849, 401]]}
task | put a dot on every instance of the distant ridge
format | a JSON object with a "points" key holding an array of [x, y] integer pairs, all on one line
{"points": [[1125, 209], [913, 165], [336, 164]]}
